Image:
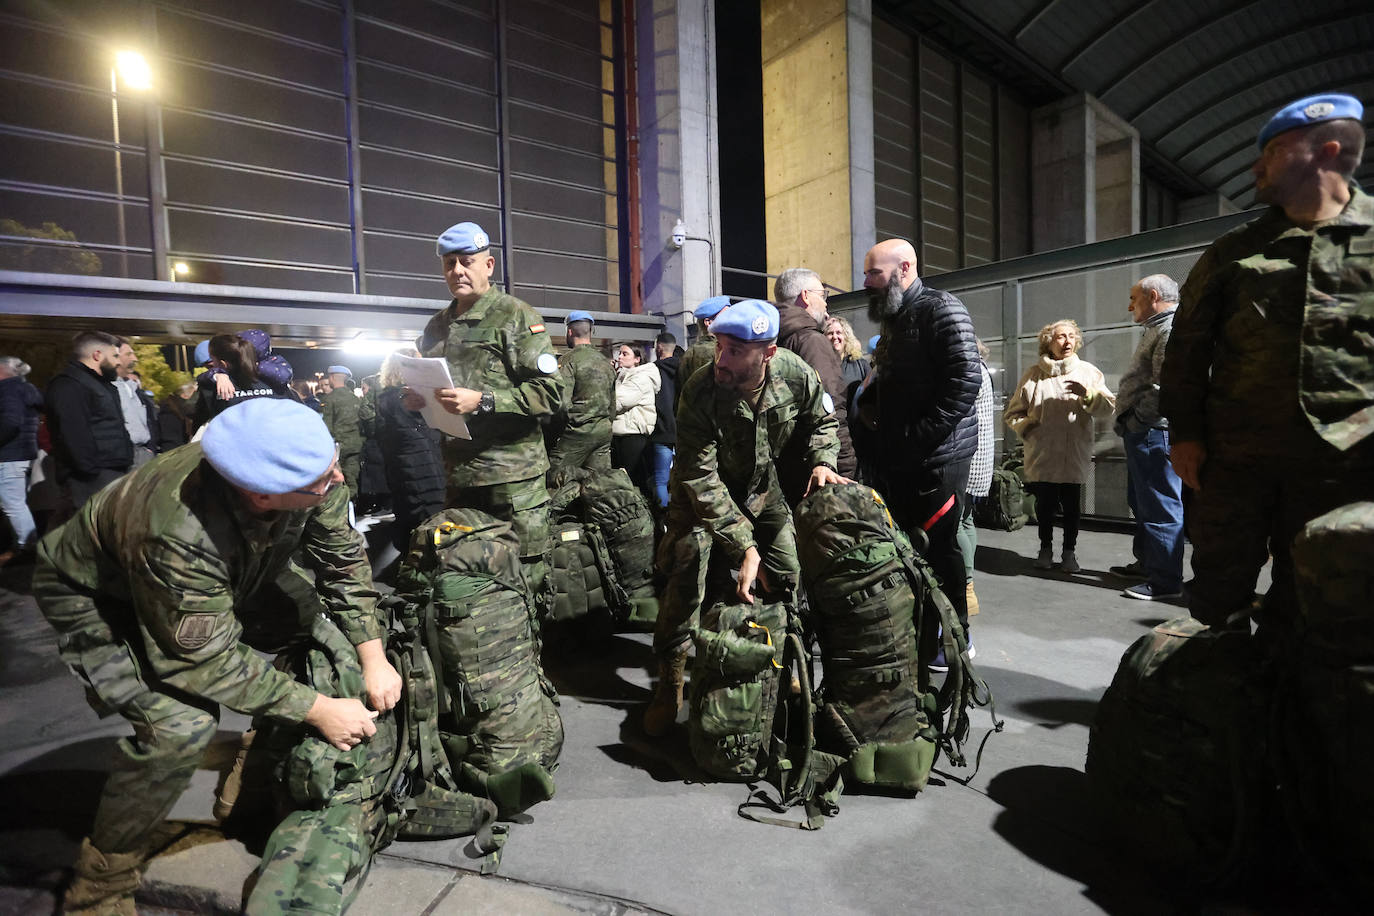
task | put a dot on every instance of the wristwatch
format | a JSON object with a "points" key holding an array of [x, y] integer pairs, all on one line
{"points": [[487, 404]]}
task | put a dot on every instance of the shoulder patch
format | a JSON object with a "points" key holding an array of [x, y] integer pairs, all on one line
{"points": [[547, 363], [195, 630], [828, 402], [536, 329]]}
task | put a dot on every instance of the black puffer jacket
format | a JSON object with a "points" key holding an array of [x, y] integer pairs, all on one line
{"points": [[87, 424], [928, 380], [665, 431], [21, 406], [414, 467]]}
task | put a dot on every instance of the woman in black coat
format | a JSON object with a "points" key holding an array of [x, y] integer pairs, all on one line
{"points": [[410, 453]]}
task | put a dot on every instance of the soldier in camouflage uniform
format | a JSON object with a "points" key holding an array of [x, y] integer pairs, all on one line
{"points": [[506, 381], [340, 410], [584, 441], [165, 583], [752, 434], [702, 352], [1268, 379]]}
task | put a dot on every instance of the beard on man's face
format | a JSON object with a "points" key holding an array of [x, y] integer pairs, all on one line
{"points": [[885, 302]]}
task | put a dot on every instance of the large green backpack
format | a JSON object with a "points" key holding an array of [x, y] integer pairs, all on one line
{"points": [[877, 614], [1176, 765], [345, 806], [751, 712], [1004, 508], [466, 596], [603, 525], [1329, 713]]}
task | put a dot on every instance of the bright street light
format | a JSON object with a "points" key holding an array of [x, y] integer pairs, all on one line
{"points": [[134, 70], [181, 268]]}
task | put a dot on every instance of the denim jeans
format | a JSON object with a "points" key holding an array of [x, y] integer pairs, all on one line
{"points": [[663, 465], [1155, 495], [14, 491]]}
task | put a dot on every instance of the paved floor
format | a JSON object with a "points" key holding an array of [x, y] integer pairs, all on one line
{"points": [[630, 829]]}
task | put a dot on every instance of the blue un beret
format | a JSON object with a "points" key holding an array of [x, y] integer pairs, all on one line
{"points": [[202, 353], [750, 320], [578, 315], [269, 445], [463, 238], [710, 308], [342, 370], [873, 341], [1312, 110]]}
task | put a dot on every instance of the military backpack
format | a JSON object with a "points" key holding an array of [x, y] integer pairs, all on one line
{"points": [[878, 614], [1003, 509], [466, 596]]}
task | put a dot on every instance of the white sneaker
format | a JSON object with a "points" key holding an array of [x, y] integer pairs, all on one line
{"points": [[1045, 559], [1069, 562]]}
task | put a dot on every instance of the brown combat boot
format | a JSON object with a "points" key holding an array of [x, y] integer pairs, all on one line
{"points": [[104, 885], [662, 711], [972, 601]]}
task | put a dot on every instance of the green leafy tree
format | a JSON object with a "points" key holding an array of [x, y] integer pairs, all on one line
{"points": [[65, 257], [158, 377]]}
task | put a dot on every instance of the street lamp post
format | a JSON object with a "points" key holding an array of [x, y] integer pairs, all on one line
{"points": [[132, 66]]}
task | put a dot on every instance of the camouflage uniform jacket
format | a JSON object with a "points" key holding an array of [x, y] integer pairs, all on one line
{"points": [[725, 470], [1275, 331], [499, 345], [168, 560], [341, 416], [588, 391], [702, 352]]}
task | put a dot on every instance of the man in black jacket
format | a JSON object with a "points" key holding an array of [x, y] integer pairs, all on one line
{"points": [[86, 419], [920, 405]]}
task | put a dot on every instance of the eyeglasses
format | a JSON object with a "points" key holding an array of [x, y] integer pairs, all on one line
{"points": [[330, 483], [817, 292]]}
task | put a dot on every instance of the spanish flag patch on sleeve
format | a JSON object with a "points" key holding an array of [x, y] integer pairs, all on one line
{"points": [[536, 329]]}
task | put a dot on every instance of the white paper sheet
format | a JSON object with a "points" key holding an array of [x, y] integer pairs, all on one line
{"points": [[424, 374]]}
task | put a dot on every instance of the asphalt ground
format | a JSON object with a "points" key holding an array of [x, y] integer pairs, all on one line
{"points": [[634, 827]]}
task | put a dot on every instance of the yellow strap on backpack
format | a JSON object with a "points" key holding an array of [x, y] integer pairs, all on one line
{"points": [[768, 639], [445, 528]]}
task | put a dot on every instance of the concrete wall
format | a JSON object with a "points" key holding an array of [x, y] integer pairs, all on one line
{"points": [[818, 144], [1085, 174], [678, 140]]}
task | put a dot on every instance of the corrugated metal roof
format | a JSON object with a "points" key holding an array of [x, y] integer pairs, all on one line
{"points": [[1196, 78]]}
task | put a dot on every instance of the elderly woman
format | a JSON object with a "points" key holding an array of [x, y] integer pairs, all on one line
{"points": [[1052, 410]]}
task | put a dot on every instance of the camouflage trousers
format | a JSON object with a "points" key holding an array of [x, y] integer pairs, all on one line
{"points": [[582, 450], [1248, 510], [351, 466], [692, 580], [525, 504]]}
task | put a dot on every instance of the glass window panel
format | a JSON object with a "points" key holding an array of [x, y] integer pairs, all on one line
{"points": [[68, 164], [556, 92], [233, 273], [234, 189], [91, 221], [396, 254], [415, 93], [380, 127], [66, 57], [409, 287], [542, 268], [308, 21], [252, 237], [559, 164], [573, 22], [428, 57], [536, 51], [554, 129], [190, 86], [558, 200], [199, 39], [471, 28], [543, 298], [382, 169], [560, 235], [428, 218], [212, 138], [81, 112]]}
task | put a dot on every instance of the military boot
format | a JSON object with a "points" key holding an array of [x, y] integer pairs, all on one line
{"points": [[662, 711], [972, 600], [104, 885]]}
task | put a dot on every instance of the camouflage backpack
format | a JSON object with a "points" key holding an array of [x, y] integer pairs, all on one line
{"points": [[1176, 755], [751, 711], [1003, 509], [1328, 715], [345, 806], [603, 524], [877, 613], [466, 596]]}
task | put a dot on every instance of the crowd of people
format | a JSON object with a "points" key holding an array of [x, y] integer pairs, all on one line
{"points": [[149, 584]]}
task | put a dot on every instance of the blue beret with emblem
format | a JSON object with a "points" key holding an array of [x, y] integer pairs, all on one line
{"points": [[463, 238], [269, 445], [750, 320], [1311, 110], [579, 315], [202, 352], [341, 370], [710, 308]]}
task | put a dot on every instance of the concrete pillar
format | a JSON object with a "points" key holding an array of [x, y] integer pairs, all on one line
{"points": [[1085, 174], [678, 140], [818, 136]]}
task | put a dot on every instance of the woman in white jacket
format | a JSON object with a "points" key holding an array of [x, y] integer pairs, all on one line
{"points": [[636, 384], [1052, 410]]}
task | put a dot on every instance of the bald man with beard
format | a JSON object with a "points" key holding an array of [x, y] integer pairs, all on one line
{"points": [[919, 405]]}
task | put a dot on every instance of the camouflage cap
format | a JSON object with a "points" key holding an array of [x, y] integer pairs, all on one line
{"points": [[269, 445]]}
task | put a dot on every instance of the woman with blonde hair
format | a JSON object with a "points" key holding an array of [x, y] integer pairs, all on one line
{"points": [[852, 362], [1052, 410]]}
